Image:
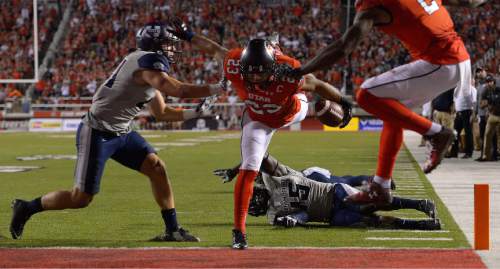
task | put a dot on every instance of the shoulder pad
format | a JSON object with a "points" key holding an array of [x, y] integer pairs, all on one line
{"points": [[154, 61]]}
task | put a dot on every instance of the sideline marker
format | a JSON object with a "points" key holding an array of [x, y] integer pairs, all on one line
{"points": [[481, 216]]}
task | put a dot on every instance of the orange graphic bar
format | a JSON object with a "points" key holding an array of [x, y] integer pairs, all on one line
{"points": [[481, 216]]}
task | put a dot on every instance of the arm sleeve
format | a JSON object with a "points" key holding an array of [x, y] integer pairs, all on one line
{"points": [[154, 61]]}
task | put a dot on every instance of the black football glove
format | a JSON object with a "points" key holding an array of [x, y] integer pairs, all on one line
{"points": [[180, 29], [227, 175], [285, 221], [347, 108], [283, 71]]}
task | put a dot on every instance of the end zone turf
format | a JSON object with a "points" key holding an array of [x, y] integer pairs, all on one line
{"points": [[252, 258]]}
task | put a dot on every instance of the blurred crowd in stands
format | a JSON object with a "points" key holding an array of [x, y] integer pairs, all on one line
{"points": [[100, 33], [16, 40]]}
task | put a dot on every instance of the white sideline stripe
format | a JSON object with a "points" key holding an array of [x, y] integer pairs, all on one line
{"points": [[224, 248], [407, 231], [409, 238]]}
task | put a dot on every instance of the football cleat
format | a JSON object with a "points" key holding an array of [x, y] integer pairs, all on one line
{"points": [[239, 240], [393, 184], [428, 207], [375, 194], [20, 215], [180, 235], [430, 225], [439, 143]]}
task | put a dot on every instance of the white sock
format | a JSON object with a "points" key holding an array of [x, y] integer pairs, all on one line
{"points": [[435, 128], [384, 182]]}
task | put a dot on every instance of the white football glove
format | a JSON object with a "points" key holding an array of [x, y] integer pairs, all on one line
{"points": [[204, 107], [285, 221]]}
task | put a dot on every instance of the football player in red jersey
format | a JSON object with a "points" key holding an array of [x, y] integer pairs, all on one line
{"points": [[271, 104], [441, 62]]}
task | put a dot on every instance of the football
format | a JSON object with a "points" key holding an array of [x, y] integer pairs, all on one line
{"points": [[329, 113]]}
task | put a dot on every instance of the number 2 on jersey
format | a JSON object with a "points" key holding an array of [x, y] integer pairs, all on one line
{"points": [[429, 8]]}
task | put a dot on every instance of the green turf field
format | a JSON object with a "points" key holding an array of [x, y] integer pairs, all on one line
{"points": [[124, 214]]}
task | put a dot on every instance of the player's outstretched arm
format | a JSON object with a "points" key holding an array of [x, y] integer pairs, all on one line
{"points": [[172, 87], [183, 31], [465, 3], [363, 24], [162, 112], [209, 46], [329, 92]]}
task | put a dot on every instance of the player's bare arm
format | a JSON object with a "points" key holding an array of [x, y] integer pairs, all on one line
{"points": [[322, 88], [172, 87], [329, 92], [209, 46], [465, 3], [362, 26]]}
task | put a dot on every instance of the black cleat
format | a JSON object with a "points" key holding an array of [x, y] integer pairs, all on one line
{"points": [[239, 240], [180, 235], [428, 207], [430, 225], [20, 215]]}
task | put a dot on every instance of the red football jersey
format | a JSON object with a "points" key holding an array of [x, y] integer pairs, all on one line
{"points": [[274, 106], [424, 27]]}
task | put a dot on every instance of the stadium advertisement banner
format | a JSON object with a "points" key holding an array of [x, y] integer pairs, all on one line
{"points": [[70, 125], [370, 124], [45, 125], [352, 126]]}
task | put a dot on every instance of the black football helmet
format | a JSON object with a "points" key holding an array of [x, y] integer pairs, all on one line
{"points": [[155, 37], [257, 63], [259, 202]]}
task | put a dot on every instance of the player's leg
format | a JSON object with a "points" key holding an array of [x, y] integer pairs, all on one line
{"points": [[91, 158], [137, 154], [389, 222], [379, 190], [254, 142], [424, 205]]}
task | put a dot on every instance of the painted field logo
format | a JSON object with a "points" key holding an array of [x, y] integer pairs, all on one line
{"points": [[17, 169]]}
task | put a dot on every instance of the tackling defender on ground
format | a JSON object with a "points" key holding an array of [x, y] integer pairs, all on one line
{"points": [[291, 198]]}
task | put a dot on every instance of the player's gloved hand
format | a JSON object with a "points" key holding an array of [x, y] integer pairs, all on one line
{"points": [[220, 87], [180, 29], [347, 108], [282, 71], [285, 221], [205, 105], [227, 175]]}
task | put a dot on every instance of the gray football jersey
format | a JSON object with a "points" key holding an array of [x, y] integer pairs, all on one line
{"points": [[293, 193], [119, 99]]}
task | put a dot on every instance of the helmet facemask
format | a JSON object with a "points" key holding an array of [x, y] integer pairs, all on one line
{"points": [[260, 201], [172, 48], [257, 64]]}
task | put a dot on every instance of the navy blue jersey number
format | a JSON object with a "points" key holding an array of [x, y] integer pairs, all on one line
{"points": [[111, 81]]}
